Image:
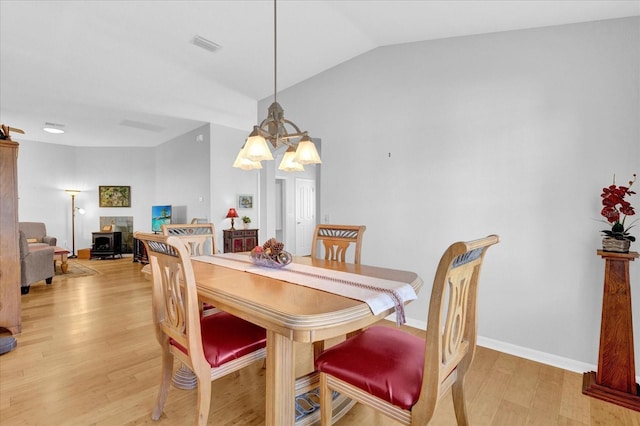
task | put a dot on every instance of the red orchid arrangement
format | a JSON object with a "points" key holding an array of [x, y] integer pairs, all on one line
{"points": [[615, 207]]}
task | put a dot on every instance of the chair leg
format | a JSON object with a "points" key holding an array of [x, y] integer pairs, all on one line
{"points": [[326, 402], [167, 369], [459, 406], [204, 398]]}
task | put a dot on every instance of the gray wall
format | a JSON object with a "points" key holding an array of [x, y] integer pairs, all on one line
{"points": [[427, 143], [227, 183], [182, 175], [512, 133], [176, 173], [46, 170]]}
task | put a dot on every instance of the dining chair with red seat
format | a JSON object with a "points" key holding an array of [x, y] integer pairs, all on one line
{"points": [[199, 238], [336, 240], [211, 346], [402, 375]]}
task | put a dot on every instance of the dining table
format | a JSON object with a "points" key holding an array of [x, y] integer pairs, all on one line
{"points": [[293, 306]]}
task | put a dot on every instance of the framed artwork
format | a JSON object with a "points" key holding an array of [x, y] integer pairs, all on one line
{"points": [[245, 201], [114, 196]]}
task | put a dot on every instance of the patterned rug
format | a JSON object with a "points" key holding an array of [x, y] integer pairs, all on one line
{"points": [[75, 270]]}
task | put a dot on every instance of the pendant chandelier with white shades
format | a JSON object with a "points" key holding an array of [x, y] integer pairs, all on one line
{"points": [[301, 149]]}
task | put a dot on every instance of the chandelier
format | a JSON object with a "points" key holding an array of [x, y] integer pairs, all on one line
{"points": [[278, 131]]}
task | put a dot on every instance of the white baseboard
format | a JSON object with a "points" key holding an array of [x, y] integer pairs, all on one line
{"points": [[538, 356], [522, 352]]}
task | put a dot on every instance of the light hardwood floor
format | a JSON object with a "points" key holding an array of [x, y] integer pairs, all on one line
{"points": [[87, 355]]}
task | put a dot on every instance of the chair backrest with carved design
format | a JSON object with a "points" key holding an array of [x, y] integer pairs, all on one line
{"points": [[175, 304], [452, 319], [230, 342], [198, 238], [336, 240], [396, 389]]}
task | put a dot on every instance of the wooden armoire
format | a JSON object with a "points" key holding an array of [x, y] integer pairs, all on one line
{"points": [[10, 317]]}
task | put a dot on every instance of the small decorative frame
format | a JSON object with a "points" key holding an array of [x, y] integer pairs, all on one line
{"points": [[114, 196], [245, 201]]}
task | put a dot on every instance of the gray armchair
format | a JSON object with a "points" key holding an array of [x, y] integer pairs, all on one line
{"points": [[36, 233], [35, 264]]}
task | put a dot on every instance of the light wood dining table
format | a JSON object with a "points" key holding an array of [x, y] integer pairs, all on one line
{"points": [[290, 313]]}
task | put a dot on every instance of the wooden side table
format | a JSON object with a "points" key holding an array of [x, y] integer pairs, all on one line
{"points": [[239, 240], [615, 380]]}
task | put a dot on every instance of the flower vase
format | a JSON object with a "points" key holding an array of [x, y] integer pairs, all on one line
{"points": [[245, 225], [615, 245]]}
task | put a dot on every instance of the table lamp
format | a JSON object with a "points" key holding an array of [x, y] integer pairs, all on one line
{"points": [[232, 214]]}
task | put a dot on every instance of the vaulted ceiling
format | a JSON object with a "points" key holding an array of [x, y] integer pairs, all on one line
{"points": [[126, 73]]}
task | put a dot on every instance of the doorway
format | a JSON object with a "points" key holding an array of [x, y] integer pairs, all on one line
{"points": [[281, 208], [305, 215]]}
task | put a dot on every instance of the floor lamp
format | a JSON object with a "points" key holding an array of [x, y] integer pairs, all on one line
{"points": [[73, 193]]}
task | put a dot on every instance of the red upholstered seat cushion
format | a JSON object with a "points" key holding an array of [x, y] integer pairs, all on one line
{"points": [[226, 337], [383, 361]]}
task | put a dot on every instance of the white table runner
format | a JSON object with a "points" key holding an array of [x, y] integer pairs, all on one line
{"points": [[379, 294]]}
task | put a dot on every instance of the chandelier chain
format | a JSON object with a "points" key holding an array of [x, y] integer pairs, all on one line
{"points": [[275, 52]]}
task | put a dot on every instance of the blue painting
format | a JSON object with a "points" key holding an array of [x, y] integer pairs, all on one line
{"points": [[160, 215]]}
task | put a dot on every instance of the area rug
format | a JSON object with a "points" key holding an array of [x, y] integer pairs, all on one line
{"points": [[75, 270]]}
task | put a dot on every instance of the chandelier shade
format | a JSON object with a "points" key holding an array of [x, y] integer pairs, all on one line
{"points": [[288, 164], [244, 163], [256, 148], [278, 131], [306, 152]]}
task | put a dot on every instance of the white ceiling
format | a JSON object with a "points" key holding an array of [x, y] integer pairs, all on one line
{"points": [[93, 65]]}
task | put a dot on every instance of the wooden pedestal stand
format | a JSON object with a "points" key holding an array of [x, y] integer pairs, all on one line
{"points": [[615, 380]]}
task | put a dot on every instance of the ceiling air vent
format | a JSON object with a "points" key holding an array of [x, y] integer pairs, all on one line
{"points": [[143, 126], [206, 44]]}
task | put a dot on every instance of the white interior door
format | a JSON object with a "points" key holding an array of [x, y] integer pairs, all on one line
{"points": [[305, 215], [280, 210]]}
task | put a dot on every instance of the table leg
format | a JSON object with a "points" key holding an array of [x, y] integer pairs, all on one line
{"points": [[64, 266], [280, 393]]}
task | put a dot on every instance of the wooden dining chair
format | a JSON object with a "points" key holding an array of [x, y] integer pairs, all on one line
{"points": [[404, 376], [336, 240], [211, 346], [199, 238]]}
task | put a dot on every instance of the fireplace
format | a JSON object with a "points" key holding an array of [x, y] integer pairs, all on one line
{"points": [[123, 224], [106, 244]]}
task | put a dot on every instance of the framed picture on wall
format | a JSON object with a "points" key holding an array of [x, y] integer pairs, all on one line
{"points": [[245, 201], [114, 196]]}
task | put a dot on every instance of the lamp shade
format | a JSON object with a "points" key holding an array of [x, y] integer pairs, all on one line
{"points": [[306, 152], [256, 148], [232, 213], [287, 164], [244, 163], [72, 192]]}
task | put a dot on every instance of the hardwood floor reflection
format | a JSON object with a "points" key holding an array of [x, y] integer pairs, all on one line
{"points": [[87, 355]]}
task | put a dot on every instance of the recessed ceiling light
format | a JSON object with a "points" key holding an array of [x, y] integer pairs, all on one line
{"points": [[53, 128]]}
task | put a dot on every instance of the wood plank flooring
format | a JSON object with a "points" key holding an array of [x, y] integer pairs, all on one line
{"points": [[87, 355]]}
